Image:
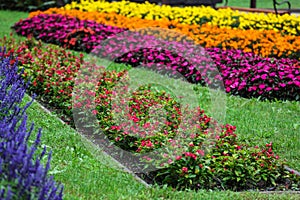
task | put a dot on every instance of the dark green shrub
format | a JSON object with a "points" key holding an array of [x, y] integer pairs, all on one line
{"points": [[31, 5]]}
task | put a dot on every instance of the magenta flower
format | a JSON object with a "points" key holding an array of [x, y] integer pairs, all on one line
{"points": [[241, 73], [262, 86]]}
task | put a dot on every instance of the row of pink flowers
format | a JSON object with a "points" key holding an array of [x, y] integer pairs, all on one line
{"points": [[239, 73], [65, 31]]}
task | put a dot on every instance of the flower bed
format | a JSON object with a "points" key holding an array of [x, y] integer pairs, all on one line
{"points": [[51, 70], [204, 154], [239, 166], [22, 174], [64, 30], [244, 74], [267, 43], [249, 75], [286, 24], [227, 164]]}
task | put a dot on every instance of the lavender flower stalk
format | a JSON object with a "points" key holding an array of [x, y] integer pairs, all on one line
{"points": [[22, 175]]}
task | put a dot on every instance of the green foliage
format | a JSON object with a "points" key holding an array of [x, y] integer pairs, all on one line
{"points": [[227, 164], [211, 159], [30, 5], [86, 174], [50, 68]]}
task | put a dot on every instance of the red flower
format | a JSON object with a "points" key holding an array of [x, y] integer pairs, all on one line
{"points": [[135, 119], [94, 112], [269, 145], [191, 144], [189, 154], [73, 41], [149, 144], [200, 152], [59, 72], [184, 169], [178, 157]]}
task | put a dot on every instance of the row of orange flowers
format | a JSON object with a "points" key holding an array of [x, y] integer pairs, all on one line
{"points": [[267, 43], [286, 24]]}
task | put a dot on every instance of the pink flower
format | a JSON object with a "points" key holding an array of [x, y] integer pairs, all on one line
{"points": [[282, 84], [184, 169], [252, 88], [115, 128], [262, 86], [268, 89], [146, 125], [135, 119], [189, 154], [269, 145], [149, 144], [264, 76], [178, 157], [147, 158], [143, 143], [291, 76], [200, 152], [94, 112]]}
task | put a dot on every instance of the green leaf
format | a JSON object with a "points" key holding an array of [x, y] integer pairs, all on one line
{"points": [[192, 175], [264, 176], [273, 181], [237, 173]]}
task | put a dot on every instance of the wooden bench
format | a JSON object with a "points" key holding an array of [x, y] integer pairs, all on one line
{"points": [[254, 9]]}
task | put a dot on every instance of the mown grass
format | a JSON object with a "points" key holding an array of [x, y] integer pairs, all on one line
{"points": [[88, 174], [258, 122], [8, 18]]}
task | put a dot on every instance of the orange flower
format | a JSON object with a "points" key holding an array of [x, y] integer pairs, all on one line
{"points": [[267, 43]]}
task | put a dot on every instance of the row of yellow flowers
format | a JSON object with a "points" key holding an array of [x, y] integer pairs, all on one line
{"points": [[288, 24], [266, 43]]}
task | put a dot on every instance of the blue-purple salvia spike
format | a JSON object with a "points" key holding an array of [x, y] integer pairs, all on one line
{"points": [[21, 169]]}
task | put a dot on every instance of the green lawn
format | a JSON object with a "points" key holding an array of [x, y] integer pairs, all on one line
{"points": [[88, 174], [8, 18], [295, 4]]}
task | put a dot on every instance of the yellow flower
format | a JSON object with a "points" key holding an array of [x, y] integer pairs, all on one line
{"points": [[194, 15]]}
